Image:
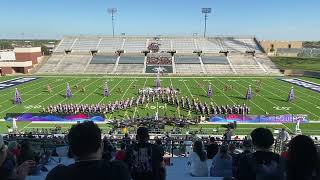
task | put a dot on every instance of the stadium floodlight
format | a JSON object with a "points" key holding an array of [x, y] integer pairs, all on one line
{"points": [[205, 11], [112, 12]]}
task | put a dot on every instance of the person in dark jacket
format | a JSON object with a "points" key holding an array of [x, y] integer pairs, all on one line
{"points": [[87, 147], [212, 148]]}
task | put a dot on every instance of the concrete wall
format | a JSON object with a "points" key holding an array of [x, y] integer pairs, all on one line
{"points": [[16, 64], [27, 50], [267, 45], [5, 56], [21, 57]]}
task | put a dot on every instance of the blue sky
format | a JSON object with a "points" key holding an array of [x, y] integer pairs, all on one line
{"points": [[271, 19]]}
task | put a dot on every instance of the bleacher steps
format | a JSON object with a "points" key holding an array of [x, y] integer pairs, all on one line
{"points": [[231, 65]]}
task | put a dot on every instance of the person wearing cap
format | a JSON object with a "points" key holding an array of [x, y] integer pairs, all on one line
{"points": [[144, 160]]}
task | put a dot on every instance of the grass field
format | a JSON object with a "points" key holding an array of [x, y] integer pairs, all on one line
{"points": [[271, 99], [296, 63]]}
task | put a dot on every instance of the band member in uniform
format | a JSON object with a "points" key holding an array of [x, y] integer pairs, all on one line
{"points": [[49, 89]]}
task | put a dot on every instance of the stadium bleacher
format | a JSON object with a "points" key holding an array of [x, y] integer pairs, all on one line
{"points": [[103, 59], [79, 58], [214, 59], [186, 59], [133, 59]]}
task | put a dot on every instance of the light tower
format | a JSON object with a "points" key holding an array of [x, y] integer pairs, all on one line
{"points": [[112, 12], [205, 11]]}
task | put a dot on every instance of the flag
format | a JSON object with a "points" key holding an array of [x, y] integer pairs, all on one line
{"points": [[249, 94], [106, 90], [158, 84], [209, 90], [17, 97], [68, 91], [291, 95]]}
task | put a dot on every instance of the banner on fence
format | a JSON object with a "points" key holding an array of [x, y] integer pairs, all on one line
{"points": [[38, 117], [285, 118]]}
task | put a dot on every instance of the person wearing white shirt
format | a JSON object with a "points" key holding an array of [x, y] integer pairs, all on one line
{"points": [[198, 161]]}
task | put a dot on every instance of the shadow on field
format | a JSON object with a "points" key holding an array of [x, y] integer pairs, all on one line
{"points": [[277, 99], [99, 94], [238, 97]]}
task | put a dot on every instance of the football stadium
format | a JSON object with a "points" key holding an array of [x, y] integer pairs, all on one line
{"points": [[178, 95]]}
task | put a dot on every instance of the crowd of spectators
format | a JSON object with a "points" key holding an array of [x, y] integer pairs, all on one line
{"points": [[96, 157], [159, 60]]}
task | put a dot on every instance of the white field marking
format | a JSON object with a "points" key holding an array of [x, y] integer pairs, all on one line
{"points": [[291, 103], [171, 83], [25, 126], [50, 97], [187, 88], [27, 92], [174, 77], [52, 127], [206, 92], [287, 128], [125, 92], [90, 93], [223, 92], [299, 92], [278, 108], [36, 96], [250, 101], [144, 85], [263, 98], [31, 85], [111, 90]]}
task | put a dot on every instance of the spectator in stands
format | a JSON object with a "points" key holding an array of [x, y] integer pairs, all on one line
{"points": [[108, 150], [159, 143], [126, 139], [144, 159], [27, 153], [303, 161], [14, 150], [221, 163], [262, 164], [212, 148], [8, 170], [198, 160], [246, 147], [121, 153], [86, 146], [283, 136]]}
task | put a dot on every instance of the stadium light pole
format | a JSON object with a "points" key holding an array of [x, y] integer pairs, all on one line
{"points": [[112, 12], [205, 11]]}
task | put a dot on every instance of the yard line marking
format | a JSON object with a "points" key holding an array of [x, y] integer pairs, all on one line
{"points": [[135, 109], [91, 92], [79, 90], [29, 85], [24, 93], [128, 89], [186, 87], [205, 92], [241, 94], [35, 96], [111, 90], [293, 103], [262, 96], [25, 126], [288, 128], [223, 92], [297, 90], [51, 97]]}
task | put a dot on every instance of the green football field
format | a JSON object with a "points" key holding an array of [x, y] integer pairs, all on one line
{"points": [[270, 100]]}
